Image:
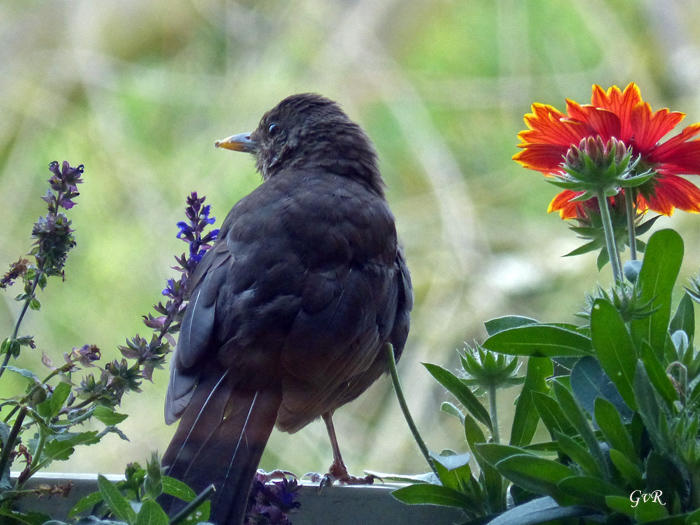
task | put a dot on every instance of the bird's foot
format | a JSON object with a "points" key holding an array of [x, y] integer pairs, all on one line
{"points": [[338, 472], [275, 474]]}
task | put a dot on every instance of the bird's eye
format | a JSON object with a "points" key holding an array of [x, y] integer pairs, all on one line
{"points": [[273, 129]]}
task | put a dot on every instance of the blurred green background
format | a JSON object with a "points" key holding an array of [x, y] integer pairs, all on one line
{"points": [[138, 92]]}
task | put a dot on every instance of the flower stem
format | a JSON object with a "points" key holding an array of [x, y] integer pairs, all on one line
{"points": [[494, 413], [25, 306], [610, 243], [11, 439], [404, 407], [631, 213]]}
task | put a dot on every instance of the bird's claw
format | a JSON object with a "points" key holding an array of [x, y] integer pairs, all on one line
{"points": [[275, 474], [338, 473]]}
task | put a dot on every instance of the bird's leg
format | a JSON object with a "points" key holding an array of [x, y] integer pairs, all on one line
{"points": [[338, 471]]}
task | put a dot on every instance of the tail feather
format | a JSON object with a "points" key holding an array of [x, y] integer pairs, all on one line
{"points": [[220, 440]]}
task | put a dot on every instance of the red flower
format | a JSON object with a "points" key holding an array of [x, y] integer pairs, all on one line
{"points": [[625, 116]]}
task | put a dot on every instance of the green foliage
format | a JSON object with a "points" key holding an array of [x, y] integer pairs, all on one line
{"points": [[624, 419]]}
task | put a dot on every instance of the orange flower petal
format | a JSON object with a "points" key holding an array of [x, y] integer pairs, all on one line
{"points": [[665, 152], [672, 192], [685, 159], [550, 126], [602, 121], [546, 158], [650, 127], [562, 203], [620, 103]]}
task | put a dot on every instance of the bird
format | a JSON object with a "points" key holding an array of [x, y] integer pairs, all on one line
{"points": [[291, 310]]}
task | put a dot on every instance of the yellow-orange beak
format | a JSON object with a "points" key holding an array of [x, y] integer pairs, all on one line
{"points": [[240, 142]]}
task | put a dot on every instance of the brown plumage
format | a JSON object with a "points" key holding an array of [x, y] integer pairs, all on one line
{"points": [[289, 312]]}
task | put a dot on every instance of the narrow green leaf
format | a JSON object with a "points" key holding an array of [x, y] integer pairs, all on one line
{"points": [[24, 372], [526, 418], [451, 409], [662, 262], [535, 474], [539, 341], [648, 406], [115, 501], [657, 375], [551, 414], [585, 248], [590, 382], [591, 490], [684, 318], [540, 510], [610, 424], [577, 453], [499, 324], [461, 391], [495, 452], [85, 503], [649, 511], [108, 416], [620, 504], [576, 416], [627, 469], [424, 493], [493, 481], [614, 347], [151, 514], [61, 446]]}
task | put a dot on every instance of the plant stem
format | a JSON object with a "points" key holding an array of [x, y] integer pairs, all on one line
{"points": [[610, 243], [192, 505], [25, 306], [10, 443], [631, 211], [494, 413], [404, 407]]}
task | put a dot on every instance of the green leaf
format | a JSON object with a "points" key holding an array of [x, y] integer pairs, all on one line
{"points": [[115, 501], [620, 504], [24, 372], [539, 341], [52, 405], [610, 424], [423, 493], [576, 416], [662, 262], [551, 414], [684, 318], [495, 452], [535, 474], [590, 382], [577, 453], [657, 375], [461, 391], [614, 347], [526, 418], [151, 514], [648, 406], [649, 511], [499, 324], [108, 416], [451, 409], [178, 489], [493, 481], [627, 469], [24, 518], [61, 446], [454, 471], [85, 503], [590, 490], [539, 510]]}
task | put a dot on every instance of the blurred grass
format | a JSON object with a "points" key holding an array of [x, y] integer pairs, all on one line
{"points": [[139, 91]]}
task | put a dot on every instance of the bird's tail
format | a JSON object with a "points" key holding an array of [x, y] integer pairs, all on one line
{"points": [[220, 439]]}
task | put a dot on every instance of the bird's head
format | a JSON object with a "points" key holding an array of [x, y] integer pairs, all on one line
{"points": [[309, 131]]}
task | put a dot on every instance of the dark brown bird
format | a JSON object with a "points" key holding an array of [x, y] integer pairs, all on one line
{"points": [[291, 309]]}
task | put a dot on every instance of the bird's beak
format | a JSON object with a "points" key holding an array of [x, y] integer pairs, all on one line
{"points": [[240, 142]]}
